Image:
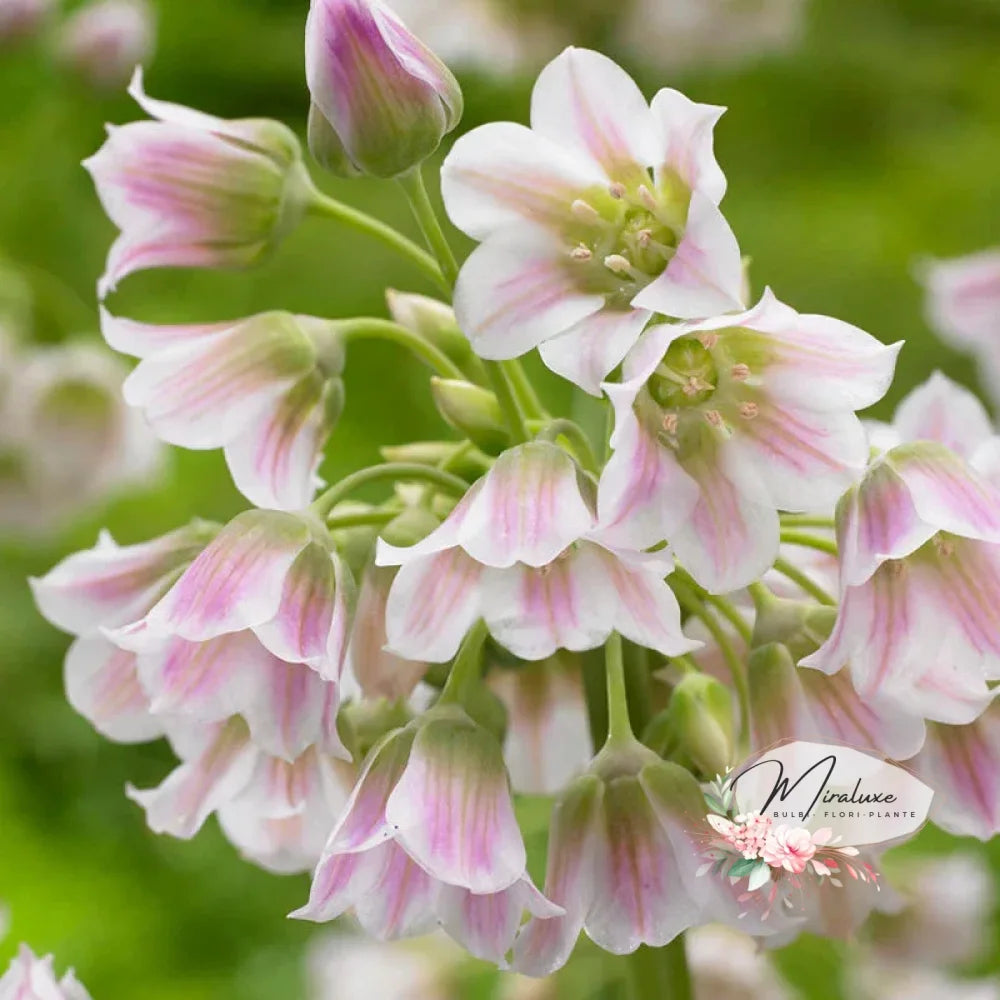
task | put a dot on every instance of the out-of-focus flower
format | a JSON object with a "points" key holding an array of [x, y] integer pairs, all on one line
{"points": [[66, 440], [191, 190], [430, 835], [877, 980], [919, 618], [722, 423], [106, 39], [601, 214], [547, 742], [963, 305], [522, 552], [683, 33], [22, 19], [31, 978], [728, 965], [267, 389], [381, 100]]}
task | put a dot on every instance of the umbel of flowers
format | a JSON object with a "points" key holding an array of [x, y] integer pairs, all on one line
{"points": [[754, 562]]}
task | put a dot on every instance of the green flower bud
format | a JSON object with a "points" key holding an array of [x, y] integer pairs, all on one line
{"points": [[700, 720], [473, 411]]}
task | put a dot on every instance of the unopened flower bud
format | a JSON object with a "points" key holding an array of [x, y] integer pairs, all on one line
{"points": [[471, 464], [410, 527], [801, 626], [103, 42], [473, 411], [431, 319], [701, 717], [363, 723], [382, 101]]}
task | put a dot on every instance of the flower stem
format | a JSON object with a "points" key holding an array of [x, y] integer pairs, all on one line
{"points": [[371, 328], [416, 191], [619, 725], [524, 390], [573, 433], [806, 521], [508, 404], [363, 518], [803, 581], [660, 973], [391, 471], [809, 541], [466, 667], [330, 208]]}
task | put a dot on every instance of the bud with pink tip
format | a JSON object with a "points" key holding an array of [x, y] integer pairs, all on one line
{"points": [[381, 100], [105, 40]]}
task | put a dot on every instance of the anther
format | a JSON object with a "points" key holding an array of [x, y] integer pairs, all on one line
{"points": [[740, 372], [644, 238], [709, 339], [617, 263], [749, 410], [944, 546], [581, 252], [585, 212], [617, 191], [670, 423], [715, 418], [647, 198]]}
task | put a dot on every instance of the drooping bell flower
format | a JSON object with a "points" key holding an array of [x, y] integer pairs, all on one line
{"points": [[105, 40], [429, 836], [191, 190], [720, 424], [266, 389], [381, 100], [522, 551], [31, 978], [601, 214], [919, 616]]}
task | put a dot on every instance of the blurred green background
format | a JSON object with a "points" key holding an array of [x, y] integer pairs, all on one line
{"points": [[873, 141]]}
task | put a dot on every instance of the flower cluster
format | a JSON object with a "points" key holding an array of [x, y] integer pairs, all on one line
{"points": [[499, 561]]}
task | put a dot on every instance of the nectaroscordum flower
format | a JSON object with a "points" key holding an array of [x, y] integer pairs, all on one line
{"points": [[919, 616], [522, 551], [381, 100], [105, 40], [31, 978], [191, 190], [601, 214], [267, 389], [429, 836], [722, 423]]}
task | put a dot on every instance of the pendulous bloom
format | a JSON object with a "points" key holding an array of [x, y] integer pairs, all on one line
{"points": [[523, 551], [105, 40], [429, 836], [266, 389], [720, 424], [381, 100], [919, 616], [31, 978], [601, 214], [191, 190]]}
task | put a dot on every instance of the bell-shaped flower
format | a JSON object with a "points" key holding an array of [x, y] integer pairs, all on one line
{"points": [[919, 616], [720, 424], [962, 764], [31, 978], [801, 703], [381, 100], [600, 215], [429, 836], [276, 812], [267, 389], [192, 190], [105, 40], [547, 740], [522, 551], [270, 572]]}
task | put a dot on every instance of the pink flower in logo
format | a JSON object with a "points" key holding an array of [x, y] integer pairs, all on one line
{"points": [[747, 833], [792, 848]]}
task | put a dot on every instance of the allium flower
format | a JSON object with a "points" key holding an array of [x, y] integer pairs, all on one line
{"points": [[266, 389], [791, 848], [277, 812], [191, 190], [962, 764], [31, 978], [522, 551], [381, 100], [601, 214], [721, 423], [918, 621], [20, 19], [106, 39], [729, 965], [429, 835]]}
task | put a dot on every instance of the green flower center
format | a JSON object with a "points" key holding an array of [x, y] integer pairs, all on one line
{"points": [[686, 377]]}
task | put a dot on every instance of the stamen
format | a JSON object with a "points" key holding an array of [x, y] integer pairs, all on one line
{"points": [[740, 372], [708, 339], [644, 238], [749, 410], [647, 198], [944, 545], [670, 422], [715, 418], [619, 264], [695, 384], [581, 252], [617, 191], [585, 212]]}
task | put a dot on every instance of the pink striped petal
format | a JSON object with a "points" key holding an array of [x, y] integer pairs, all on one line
{"points": [[102, 685], [944, 411], [193, 791], [140, 340], [452, 808], [962, 298], [401, 902], [341, 880], [687, 134], [517, 290]]}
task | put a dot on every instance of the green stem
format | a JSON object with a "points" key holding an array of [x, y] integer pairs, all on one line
{"points": [[524, 390], [372, 328], [731, 614], [362, 519], [803, 581], [573, 433], [806, 521], [466, 668], [640, 695], [391, 471], [413, 185], [323, 205], [619, 725], [660, 973], [809, 541], [508, 404]]}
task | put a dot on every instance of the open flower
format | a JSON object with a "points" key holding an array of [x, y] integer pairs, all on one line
{"points": [[521, 551], [381, 100], [267, 389], [429, 835], [601, 214], [919, 617], [722, 423], [31, 978], [191, 190], [791, 848]]}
